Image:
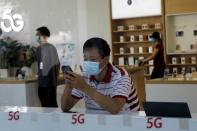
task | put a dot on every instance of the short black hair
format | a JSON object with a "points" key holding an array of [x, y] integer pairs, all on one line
{"points": [[44, 31], [98, 43], [156, 35]]}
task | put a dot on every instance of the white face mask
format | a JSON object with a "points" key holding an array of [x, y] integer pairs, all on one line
{"points": [[91, 68], [153, 40], [37, 39]]}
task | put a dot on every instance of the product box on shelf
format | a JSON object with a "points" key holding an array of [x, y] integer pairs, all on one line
{"points": [[193, 60], [134, 38], [122, 38], [148, 26], [131, 60], [132, 50], [120, 28], [136, 62], [141, 50], [183, 61], [183, 70], [121, 50], [121, 61], [3, 73], [174, 70], [145, 26], [133, 27], [143, 38], [174, 60], [150, 49], [158, 25]]}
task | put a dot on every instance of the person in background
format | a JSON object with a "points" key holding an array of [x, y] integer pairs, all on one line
{"points": [[48, 68], [1, 32], [104, 87], [157, 56]]}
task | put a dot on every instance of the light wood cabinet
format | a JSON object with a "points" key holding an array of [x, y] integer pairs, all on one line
{"points": [[181, 33], [130, 40], [127, 47], [180, 6]]}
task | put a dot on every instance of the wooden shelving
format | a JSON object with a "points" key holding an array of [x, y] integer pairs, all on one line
{"points": [[125, 66], [180, 47], [140, 30], [133, 42], [182, 53], [180, 67], [166, 29], [182, 64], [129, 54], [127, 44]]}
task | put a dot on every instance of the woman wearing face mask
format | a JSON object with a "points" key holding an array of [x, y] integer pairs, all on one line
{"points": [[105, 88], [157, 56]]}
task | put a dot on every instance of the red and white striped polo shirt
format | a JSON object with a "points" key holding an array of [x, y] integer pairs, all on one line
{"points": [[116, 83]]}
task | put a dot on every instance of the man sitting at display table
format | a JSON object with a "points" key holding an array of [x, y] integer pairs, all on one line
{"points": [[104, 87]]}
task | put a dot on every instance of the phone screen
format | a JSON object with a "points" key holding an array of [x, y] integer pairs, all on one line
{"points": [[65, 69]]}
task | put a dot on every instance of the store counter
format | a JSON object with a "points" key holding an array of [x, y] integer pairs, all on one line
{"points": [[17, 92], [16, 81], [172, 81], [51, 119], [173, 90], [21, 92]]}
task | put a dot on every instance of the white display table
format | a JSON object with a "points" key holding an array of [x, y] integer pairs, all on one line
{"points": [[43, 119], [173, 90], [16, 92]]}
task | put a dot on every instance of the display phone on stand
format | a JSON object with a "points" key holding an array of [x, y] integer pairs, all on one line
{"points": [[166, 73]]}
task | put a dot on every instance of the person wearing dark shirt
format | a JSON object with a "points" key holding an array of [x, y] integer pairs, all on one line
{"points": [[48, 68], [157, 56]]}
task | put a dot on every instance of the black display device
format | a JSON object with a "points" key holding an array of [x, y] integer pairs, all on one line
{"points": [[66, 68], [167, 109]]}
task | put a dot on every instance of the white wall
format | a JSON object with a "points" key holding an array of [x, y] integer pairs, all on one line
{"points": [[80, 19], [94, 20], [98, 18], [57, 15]]}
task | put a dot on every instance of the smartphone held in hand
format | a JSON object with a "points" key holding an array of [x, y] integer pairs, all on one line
{"points": [[66, 69]]}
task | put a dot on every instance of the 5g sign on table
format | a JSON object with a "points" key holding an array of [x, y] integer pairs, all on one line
{"points": [[14, 115], [16, 22], [154, 122], [78, 118]]}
